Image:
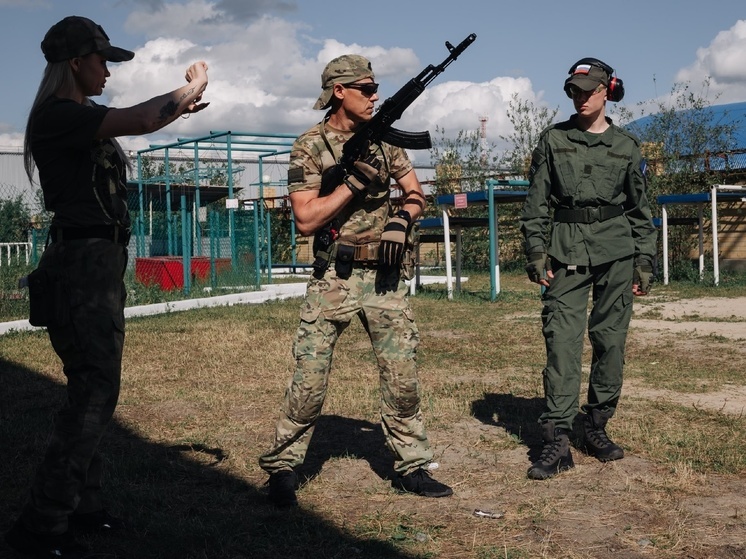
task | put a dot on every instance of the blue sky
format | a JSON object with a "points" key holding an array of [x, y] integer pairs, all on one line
{"points": [[266, 56]]}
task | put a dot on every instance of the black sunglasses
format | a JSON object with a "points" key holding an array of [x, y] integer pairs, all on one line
{"points": [[367, 89]]}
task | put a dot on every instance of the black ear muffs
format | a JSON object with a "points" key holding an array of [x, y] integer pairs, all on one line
{"points": [[615, 89]]}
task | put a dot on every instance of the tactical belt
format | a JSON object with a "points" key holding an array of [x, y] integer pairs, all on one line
{"points": [[587, 215], [113, 233], [346, 257], [366, 253]]}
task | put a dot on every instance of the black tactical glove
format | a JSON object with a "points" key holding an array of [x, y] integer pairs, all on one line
{"points": [[537, 266], [364, 173], [642, 275], [394, 239]]}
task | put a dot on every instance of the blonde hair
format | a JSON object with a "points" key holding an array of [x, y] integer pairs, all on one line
{"points": [[57, 75]]}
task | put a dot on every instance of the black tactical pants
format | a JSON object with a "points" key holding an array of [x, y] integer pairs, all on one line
{"points": [[564, 318], [89, 342]]}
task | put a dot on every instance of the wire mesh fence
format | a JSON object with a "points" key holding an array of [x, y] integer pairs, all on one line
{"points": [[182, 251], [197, 228]]}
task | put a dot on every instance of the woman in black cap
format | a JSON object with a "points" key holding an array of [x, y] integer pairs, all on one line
{"points": [[77, 290]]}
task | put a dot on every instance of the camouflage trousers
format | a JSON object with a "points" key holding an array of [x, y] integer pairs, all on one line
{"points": [[564, 321], [379, 300], [89, 343]]}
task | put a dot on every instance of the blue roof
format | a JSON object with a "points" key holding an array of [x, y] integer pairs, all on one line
{"points": [[732, 113], [728, 114]]}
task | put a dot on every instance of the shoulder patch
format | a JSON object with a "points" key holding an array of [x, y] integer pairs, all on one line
{"points": [[295, 175], [537, 160]]}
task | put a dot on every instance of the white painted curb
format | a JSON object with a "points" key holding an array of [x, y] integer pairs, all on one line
{"points": [[267, 293]]}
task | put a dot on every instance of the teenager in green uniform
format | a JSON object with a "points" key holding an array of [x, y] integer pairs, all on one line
{"points": [[77, 291], [359, 274], [587, 228]]}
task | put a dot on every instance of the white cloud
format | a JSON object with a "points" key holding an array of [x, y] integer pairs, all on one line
{"points": [[265, 73], [723, 62], [11, 140], [261, 79], [455, 106]]}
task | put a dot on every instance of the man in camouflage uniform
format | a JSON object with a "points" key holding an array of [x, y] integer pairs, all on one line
{"points": [[360, 245], [592, 175]]}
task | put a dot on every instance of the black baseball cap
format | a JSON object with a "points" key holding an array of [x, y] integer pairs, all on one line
{"points": [[77, 36]]}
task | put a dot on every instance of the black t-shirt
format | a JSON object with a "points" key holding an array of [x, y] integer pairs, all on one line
{"points": [[83, 179]]}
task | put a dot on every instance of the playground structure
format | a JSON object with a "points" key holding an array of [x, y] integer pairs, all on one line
{"points": [[188, 225], [718, 193], [506, 191], [498, 191]]}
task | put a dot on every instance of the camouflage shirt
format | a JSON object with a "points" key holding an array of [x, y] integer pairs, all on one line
{"points": [[361, 220]]}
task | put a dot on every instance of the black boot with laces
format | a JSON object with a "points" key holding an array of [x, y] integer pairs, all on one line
{"points": [[555, 456], [597, 442]]}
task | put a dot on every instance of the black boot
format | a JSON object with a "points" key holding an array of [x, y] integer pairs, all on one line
{"points": [[597, 442], [555, 456], [420, 482], [282, 486]]}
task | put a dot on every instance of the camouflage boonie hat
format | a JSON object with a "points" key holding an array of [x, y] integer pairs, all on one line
{"points": [[77, 36], [347, 68]]}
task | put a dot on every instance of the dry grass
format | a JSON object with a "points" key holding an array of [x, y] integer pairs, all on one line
{"points": [[200, 396]]}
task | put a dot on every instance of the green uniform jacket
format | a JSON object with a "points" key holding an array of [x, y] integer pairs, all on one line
{"points": [[573, 169]]}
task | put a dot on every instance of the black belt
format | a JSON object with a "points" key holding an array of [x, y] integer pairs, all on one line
{"points": [[113, 233], [587, 215]]}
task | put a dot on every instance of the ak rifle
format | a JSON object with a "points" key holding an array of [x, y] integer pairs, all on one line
{"points": [[379, 128]]}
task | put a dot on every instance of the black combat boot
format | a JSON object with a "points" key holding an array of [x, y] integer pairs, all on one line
{"points": [[597, 442], [420, 482], [555, 456], [282, 488]]}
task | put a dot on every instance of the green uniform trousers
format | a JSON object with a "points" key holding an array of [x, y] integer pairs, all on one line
{"points": [[564, 317], [89, 343], [330, 304]]}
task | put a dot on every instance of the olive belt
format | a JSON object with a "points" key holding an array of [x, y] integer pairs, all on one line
{"points": [[587, 215]]}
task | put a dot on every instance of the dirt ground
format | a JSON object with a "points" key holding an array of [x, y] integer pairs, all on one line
{"points": [[713, 316], [635, 508], [596, 509]]}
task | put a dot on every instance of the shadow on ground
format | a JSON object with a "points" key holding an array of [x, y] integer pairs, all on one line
{"points": [[178, 501], [337, 436], [516, 414]]}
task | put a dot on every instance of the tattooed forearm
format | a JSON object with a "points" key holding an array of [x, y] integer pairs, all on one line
{"points": [[169, 109]]}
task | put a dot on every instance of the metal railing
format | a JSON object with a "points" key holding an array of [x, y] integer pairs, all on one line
{"points": [[15, 253]]}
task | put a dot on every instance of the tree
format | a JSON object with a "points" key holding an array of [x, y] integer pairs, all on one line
{"points": [[683, 129], [15, 220], [462, 163], [678, 136], [528, 122]]}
